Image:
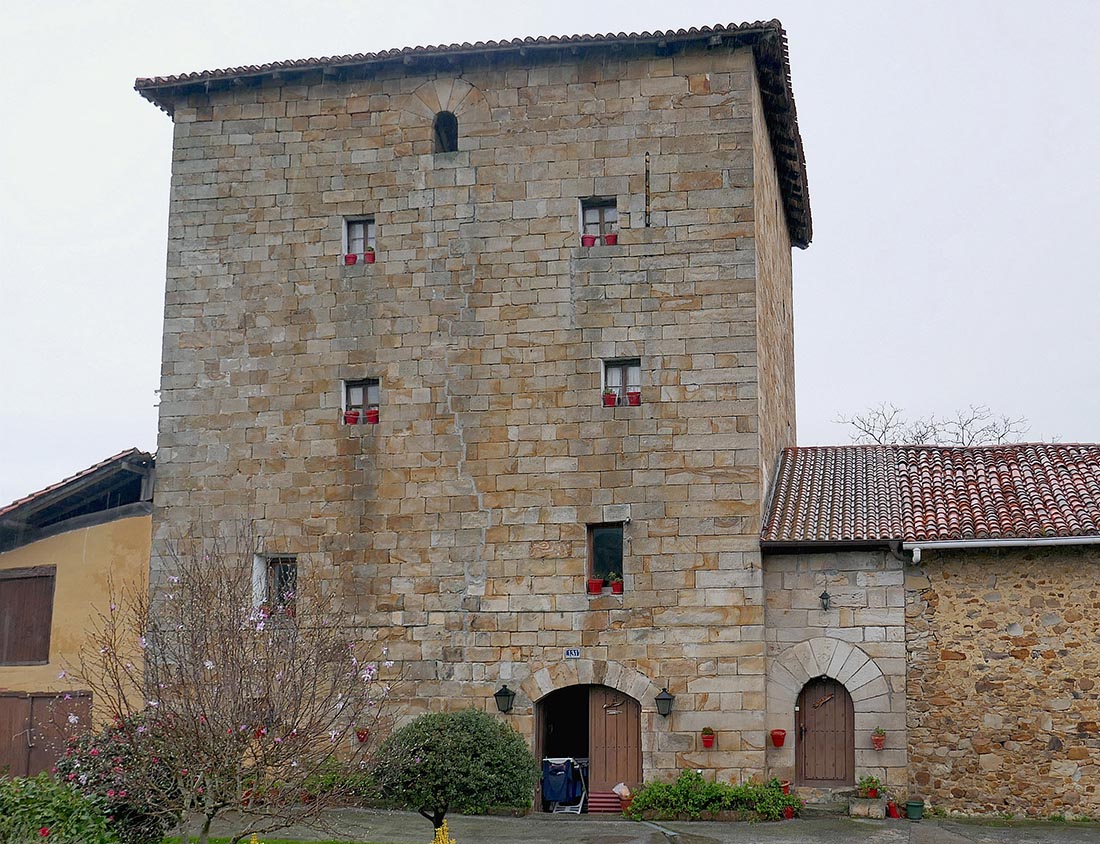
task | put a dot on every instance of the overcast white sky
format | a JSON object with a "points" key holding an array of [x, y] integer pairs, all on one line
{"points": [[953, 171]]}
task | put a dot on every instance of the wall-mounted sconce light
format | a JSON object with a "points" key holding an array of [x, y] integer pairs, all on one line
{"points": [[504, 697], [664, 703], [825, 598]]}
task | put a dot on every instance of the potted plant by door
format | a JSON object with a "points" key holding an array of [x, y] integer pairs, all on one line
{"points": [[610, 397], [708, 736], [878, 738], [368, 255], [595, 585], [616, 581], [778, 737], [869, 786]]}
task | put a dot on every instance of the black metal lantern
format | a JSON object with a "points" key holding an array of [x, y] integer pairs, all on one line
{"points": [[825, 598], [504, 697], [664, 703]]}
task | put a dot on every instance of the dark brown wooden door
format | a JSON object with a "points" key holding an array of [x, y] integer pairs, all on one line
{"points": [[615, 739], [34, 729], [825, 749], [15, 741]]}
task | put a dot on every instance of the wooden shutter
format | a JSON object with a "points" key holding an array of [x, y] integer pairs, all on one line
{"points": [[26, 615]]}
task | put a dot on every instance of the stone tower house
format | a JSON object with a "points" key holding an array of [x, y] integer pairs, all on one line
{"points": [[496, 483]]}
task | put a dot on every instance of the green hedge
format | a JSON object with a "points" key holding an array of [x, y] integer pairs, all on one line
{"points": [[691, 796], [42, 809]]}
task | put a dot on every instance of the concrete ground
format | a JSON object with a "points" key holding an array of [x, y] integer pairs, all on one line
{"points": [[410, 828]]}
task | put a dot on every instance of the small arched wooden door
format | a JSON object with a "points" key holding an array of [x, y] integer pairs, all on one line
{"points": [[825, 749]]}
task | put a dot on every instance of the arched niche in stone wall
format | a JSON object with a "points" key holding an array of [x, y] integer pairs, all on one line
{"points": [[456, 96]]}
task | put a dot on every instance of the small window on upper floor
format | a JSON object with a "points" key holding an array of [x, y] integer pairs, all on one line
{"points": [[359, 240], [361, 401], [599, 221], [605, 553], [622, 382], [275, 583], [445, 132]]}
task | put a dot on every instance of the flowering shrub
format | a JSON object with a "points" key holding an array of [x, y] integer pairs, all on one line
{"points": [[44, 810], [466, 761], [119, 769], [443, 835], [692, 796]]}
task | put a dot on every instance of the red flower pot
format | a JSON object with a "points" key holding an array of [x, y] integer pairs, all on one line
{"points": [[778, 737], [588, 240], [610, 399], [785, 785], [879, 742], [362, 734], [351, 417], [616, 587], [371, 416], [788, 812], [634, 398], [872, 793], [610, 239], [892, 810], [708, 739], [350, 259], [368, 257], [595, 585]]}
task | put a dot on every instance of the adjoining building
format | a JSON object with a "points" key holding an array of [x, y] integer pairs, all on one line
{"points": [[61, 550], [502, 335]]}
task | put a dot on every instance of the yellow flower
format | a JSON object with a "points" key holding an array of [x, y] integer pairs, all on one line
{"points": [[442, 836]]}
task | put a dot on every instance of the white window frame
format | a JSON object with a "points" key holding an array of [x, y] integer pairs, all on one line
{"points": [[605, 210]]}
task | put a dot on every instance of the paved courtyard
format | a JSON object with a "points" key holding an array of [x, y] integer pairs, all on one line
{"points": [[410, 828]]}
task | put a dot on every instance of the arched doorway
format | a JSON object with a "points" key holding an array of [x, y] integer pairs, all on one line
{"points": [[596, 724], [825, 747]]}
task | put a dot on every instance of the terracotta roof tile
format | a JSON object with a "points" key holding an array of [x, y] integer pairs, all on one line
{"points": [[122, 455], [933, 493]]}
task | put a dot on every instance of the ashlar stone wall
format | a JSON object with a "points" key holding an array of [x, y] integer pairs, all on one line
{"points": [[461, 517], [1004, 704], [859, 641]]}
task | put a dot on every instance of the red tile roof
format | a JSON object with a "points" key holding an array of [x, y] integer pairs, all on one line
{"points": [[933, 493], [102, 464], [767, 39]]}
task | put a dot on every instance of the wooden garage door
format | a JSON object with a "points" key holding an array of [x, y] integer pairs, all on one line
{"points": [[825, 753], [615, 739], [34, 729]]}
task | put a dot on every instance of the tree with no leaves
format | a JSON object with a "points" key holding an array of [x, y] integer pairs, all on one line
{"points": [[247, 703], [887, 424]]}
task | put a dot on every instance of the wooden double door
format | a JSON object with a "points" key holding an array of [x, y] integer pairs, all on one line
{"points": [[34, 729], [595, 723], [825, 735]]}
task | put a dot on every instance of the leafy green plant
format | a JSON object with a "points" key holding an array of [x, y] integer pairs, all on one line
{"points": [[462, 761], [867, 784], [692, 796], [42, 809]]}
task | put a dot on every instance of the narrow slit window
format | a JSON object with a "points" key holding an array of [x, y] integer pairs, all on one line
{"points": [[605, 552], [445, 132], [275, 584]]}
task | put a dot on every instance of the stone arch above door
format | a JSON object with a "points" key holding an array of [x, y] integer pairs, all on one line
{"points": [[549, 678], [876, 700]]}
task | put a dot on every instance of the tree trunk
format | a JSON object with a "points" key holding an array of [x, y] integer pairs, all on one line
{"points": [[436, 816]]}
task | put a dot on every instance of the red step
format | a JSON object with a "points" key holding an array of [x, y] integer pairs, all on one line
{"points": [[604, 802]]}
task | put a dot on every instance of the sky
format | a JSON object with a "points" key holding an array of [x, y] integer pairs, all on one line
{"points": [[953, 177]]}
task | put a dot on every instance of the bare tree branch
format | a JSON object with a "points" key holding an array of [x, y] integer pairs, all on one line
{"points": [[886, 424]]}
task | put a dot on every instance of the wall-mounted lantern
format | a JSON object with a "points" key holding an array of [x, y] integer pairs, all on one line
{"points": [[664, 703], [825, 598], [504, 697]]}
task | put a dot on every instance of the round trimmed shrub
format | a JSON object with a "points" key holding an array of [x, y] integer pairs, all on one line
{"points": [[467, 762]]}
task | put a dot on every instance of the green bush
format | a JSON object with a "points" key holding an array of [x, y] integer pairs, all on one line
{"points": [[464, 761], [691, 796], [116, 768], [45, 810]]}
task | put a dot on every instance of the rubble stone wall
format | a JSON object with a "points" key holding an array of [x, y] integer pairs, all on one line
{"points": [[1004, 692]]}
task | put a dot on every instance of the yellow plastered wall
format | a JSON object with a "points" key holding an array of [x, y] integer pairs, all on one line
{"points": [[86, 560]]}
